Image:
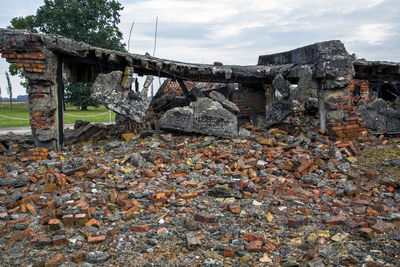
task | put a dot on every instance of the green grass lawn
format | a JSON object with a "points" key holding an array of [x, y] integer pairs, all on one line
{"points": [[19, 115]]}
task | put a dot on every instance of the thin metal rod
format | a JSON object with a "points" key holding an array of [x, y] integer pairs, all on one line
{"points": [[130, 33], [155, 37]]}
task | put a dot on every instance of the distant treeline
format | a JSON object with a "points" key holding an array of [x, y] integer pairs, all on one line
{"points": [[20, 98]]}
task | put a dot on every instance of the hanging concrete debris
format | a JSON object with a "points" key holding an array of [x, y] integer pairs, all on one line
{"points": [[147, 83], [281, 85], [277, 112], [110, 92], [205, 116], [217, 96], [379, 117]]}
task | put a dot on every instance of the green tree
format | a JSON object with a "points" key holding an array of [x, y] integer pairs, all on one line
{"points": [[9, 88], [91, 21], [78, 94], [24, 23]]}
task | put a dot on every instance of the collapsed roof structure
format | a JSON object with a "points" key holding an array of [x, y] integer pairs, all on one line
{"points": [[325, 69]]}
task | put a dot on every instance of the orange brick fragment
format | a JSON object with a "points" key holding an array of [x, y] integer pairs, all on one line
{"points": [[55, 261], [189, 195], [96, 239], [140, 228]]}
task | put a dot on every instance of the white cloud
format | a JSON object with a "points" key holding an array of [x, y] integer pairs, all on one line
{"points": [[237, 31], [372, 34]]}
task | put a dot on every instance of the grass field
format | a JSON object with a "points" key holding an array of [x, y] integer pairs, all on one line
{"points": [[19, 115]]}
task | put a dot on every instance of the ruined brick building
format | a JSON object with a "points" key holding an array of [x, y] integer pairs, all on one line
{"points": [[323, 70]]}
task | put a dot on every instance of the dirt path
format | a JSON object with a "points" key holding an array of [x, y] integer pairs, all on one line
{"points": [[27, 130]]}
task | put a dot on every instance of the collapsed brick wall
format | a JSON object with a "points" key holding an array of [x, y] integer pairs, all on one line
{"points": [[359, 91], [39, 64], [29, 55], [348, 125], [250, 100]]}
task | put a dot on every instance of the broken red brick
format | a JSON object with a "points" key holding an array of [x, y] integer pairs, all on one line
{"points": [[55, 261], [382, 227], [68, 220], [79, 257], [54, 224], [205, 218], [140, 228], [50, 187], [367, 232], [234, 209], [297, 222], [96, 239], [80, 219], [253, 237], [93, 222], [59, 240], [254, 246], [228, 252], [189, 195], [335, 220]]}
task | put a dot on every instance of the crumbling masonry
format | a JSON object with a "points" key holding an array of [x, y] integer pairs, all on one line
{"points": [[324, 68]]}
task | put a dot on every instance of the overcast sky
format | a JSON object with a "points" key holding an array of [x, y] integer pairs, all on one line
{"points": [[237, 32]]}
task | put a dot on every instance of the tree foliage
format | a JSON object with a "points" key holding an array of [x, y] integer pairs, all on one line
{"points": [[24, 23], [91, 21], [78, 94]]}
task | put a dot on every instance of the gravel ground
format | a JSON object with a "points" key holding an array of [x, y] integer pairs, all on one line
{"points": [[272, 198]]}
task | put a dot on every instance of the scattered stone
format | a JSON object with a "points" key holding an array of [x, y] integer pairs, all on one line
{"points": [[19, 181], [246, 259], [311, 178], [71, 168], [97, 257], [16, 195], [192, 241]]}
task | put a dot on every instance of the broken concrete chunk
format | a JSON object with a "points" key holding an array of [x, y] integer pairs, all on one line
{"points": [[180, 119], [204, 116], [146, 85], [109, 92], [277, 112], [20, 181], [70, 167], [220, 98], [305, 87], [212, 119], [379, 117], [281, 85]]}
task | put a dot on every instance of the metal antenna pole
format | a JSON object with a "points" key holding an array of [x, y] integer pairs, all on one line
{"points": [[154, 52], [155, 37], [130, 33]]}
